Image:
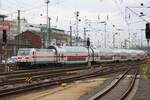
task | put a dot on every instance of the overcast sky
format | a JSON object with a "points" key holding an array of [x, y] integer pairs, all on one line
{"points": [[62, 14]]}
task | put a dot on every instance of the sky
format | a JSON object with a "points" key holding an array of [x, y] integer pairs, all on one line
{"points": [[62, 13]]}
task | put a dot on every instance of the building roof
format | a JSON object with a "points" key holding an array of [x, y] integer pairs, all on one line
{"points": [[58, 29], [32, 37], [3, 16]]}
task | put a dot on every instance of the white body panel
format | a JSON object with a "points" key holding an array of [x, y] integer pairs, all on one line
{"points": [[76, 55], [71, 55], [36, 56], [103, 55]]}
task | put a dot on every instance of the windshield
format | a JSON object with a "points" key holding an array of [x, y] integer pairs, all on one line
{"points": [[23, 52]]}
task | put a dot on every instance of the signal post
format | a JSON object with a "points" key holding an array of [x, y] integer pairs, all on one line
{"points": [[88, 46], [5, 49], [147, 33]]}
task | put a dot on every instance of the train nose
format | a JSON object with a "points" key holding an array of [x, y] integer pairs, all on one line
{"points": [[23, 59], [27, 58], [19, 58]]}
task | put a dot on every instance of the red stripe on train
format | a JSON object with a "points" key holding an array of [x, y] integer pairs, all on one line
{"points": [[59, 56], [101, 56]]}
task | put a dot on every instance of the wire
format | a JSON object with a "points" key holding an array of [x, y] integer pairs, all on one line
{"points": [[25, 10], [33, 8], [121, 12], [136, 14], [13, 3], [22, 2]]}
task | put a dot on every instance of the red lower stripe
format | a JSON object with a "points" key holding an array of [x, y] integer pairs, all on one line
{"points": [[70, 56], [59, 56]]}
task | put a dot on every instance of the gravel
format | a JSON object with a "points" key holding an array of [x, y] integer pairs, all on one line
{"points": [[5, 98], [143, 91], [97, 89]]}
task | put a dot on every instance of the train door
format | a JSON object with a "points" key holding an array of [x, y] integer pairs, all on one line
{"points": [[33, 54], [56, 54], [92, 55]]}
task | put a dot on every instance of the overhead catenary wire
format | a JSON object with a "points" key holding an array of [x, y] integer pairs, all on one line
{"points": [[15, 3], [136, 14]]}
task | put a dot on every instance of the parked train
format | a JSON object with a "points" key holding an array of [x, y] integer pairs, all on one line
{"points": [[75, 55]]}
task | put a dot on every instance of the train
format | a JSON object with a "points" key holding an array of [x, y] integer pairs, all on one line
{"points": [[66, 55]]}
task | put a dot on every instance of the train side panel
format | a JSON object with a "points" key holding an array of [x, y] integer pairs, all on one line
{"points": [[103, 55], [74, 55], [44, 56], [27, 56]]}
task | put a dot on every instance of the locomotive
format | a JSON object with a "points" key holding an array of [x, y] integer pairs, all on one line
{"points": [[75, 55]]}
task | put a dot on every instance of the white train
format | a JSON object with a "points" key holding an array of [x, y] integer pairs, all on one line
{"points": [[75, 55]]}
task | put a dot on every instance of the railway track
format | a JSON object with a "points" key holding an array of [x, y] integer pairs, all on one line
{"points": [[58, 80], [16, 81], [19, 76], [36, 75], [120, 88], [15, 69]]}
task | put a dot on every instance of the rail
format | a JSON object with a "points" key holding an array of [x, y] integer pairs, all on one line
{"points": [[104, 92], [57, 81]]}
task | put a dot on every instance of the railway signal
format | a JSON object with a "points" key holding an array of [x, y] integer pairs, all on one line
{"points": [[88, 42], [88, 45], [147, 33], [4, 36], [4, 40]]}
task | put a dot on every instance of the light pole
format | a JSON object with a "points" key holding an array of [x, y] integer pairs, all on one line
{"points": [[77, 31], [114, 39], [134, 39], [142, 37], [105, 33], [122, 45], [125, 43], [70, 35], [113, 36], [47, 19]]}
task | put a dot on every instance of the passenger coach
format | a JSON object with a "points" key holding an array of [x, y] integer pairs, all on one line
{"points": [[72, 55]]}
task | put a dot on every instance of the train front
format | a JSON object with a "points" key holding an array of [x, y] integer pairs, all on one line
{"points": [[24, 57]]}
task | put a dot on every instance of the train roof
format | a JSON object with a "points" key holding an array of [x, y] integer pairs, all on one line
{"points": [[103, 50], [130, 51], [26, 48], [69, 49], [35, 49]]}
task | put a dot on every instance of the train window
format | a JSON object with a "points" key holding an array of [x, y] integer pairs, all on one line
{"points": [[23, 52], [76, 59]]}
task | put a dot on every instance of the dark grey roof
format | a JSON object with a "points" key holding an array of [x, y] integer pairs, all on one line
{"points": [[57, 29], [3, 16]]}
